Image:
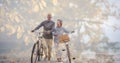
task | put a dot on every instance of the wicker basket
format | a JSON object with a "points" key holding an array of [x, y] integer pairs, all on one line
{"points": [[64, 38]]}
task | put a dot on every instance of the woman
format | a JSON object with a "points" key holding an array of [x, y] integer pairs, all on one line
{"points": [[58, 31]]}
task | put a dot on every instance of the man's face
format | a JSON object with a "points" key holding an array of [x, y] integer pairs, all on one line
{"points": [[49, 17]]}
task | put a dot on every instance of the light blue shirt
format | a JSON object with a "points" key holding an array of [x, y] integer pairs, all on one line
{"points": [[57, 32]]}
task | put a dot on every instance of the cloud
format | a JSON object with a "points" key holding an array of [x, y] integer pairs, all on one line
{"points": [[36, 8], [11, 30], [55, 2], [20, 31]]}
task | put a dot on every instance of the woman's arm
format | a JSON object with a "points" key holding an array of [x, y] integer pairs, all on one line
{"points": [[66, 31]]}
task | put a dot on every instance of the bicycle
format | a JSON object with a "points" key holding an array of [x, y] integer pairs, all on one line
{"points": [[65, 39], [37, 50]]}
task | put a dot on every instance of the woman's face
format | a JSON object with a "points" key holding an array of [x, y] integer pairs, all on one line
{"points": [[59, 24]]}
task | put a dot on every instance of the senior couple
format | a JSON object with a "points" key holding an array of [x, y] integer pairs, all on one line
{"points": [[50, 31]]}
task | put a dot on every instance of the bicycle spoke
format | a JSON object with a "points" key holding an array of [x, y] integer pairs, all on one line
{"points": [[35, 59]]}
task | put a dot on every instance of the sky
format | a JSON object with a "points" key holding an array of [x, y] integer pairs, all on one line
{"points": [[113, 35]]}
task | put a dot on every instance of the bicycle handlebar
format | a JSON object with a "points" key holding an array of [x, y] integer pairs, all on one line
{"points": [[38, 34]]}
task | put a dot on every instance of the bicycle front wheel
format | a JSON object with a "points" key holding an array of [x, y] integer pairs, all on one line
{"points": [[68, 53], [35, 52]]}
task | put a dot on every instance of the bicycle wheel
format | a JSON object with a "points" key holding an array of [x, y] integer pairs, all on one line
{"points": [[68, 53], [35, 52], [41, 53]]}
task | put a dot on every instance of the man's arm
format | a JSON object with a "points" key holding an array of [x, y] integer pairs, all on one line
{"points": [[40, 25]]}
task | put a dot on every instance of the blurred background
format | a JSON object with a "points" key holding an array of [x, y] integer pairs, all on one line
{"points": [[96, 24]]}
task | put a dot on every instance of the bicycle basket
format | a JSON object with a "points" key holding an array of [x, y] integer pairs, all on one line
{"points": [[64, 38]]}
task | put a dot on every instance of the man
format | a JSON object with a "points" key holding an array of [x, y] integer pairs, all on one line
{"points": [[47, 25]]}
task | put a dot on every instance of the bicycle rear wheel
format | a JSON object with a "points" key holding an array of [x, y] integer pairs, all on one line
{"points": [[35, 53]]}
